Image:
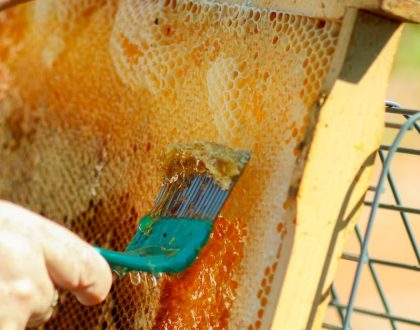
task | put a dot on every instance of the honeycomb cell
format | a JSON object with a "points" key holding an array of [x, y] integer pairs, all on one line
{"points": [[229, 99]]}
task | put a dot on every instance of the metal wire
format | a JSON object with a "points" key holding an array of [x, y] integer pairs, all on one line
{"points": [[386, 154]]}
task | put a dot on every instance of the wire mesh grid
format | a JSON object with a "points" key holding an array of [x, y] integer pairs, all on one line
{"points": [[366, 264]]}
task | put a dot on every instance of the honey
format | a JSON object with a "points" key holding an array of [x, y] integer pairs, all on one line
{"points": [[93, 91], [203, 294]]}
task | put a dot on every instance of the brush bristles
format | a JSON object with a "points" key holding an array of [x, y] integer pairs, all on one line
{"points": [[196, 196]]}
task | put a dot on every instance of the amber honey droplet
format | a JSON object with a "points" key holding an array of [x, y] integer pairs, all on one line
{"points": [[135, 278], [263, 301], [272, 16], [274, 266], [259, 294], [267, 290], [320, 24]]}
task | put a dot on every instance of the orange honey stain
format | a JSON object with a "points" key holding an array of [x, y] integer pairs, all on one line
{"points": [[184, 295], [267, 290], [148, 146], [274, 266], [263, 302], [297, 152], [12, 32], [131, 51], [259, 294]]}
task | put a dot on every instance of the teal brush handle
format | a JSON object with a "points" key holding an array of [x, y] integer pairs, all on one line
{"points": [[150, 264], [167, 245]]}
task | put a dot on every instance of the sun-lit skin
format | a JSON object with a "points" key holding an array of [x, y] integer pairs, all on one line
{"points": [[93, 91], [37, 257]]}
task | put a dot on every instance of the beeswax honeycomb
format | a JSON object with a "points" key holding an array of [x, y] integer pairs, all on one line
{"points": [[93, 91]]}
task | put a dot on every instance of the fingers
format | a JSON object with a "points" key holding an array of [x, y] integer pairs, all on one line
{"points": [[71, 263], [74, 265], [25, 286]]}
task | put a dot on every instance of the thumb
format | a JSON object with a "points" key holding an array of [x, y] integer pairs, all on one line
{"points": [[73, 264]]}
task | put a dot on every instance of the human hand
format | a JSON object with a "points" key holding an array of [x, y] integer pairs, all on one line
{"points": [[37, 255]]}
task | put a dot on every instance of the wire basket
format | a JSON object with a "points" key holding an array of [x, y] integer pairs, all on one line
{"points": [[343, 312]]}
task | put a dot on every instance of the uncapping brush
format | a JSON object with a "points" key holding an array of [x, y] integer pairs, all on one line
{"points": [[199, 177]]}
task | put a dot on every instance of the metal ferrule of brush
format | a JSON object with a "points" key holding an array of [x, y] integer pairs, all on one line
{"points": [[196, 196]]}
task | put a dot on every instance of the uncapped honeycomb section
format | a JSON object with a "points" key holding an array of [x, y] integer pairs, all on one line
{"points": [[91, 94], [208, 282]]}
